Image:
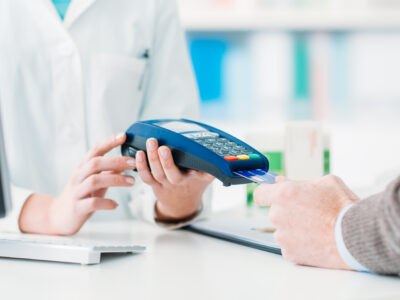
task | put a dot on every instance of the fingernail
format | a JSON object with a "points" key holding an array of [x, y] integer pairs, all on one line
{"points": [[164, 152], [130, 180], [130, 162], [120, 136], [116, 204], [152, 144]]}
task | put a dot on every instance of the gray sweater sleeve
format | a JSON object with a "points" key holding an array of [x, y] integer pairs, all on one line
{"points": [[371, 231]]}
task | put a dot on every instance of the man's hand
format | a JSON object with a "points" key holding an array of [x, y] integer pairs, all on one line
{"points": [[179, 194], [304, 213], [82, 196]]}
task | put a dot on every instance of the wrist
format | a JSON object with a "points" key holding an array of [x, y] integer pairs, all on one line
{"points": [[54, 217], [35, 214], [165, 214]]}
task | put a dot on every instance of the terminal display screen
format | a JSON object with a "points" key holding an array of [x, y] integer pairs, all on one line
{"points": [[181, 127]]}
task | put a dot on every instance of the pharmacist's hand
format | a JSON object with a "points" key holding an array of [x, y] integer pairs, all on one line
{"points": [[179, 194], [305, 214], [85, 191], [83, 195]]}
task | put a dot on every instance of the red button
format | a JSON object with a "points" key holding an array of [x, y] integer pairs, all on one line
{"points": [[231, 158]]}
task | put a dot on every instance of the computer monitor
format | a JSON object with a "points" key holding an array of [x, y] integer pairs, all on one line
{"points": [[5, 199]]}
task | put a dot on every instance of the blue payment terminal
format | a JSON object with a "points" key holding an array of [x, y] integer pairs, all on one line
{"points": [[198, 146]]}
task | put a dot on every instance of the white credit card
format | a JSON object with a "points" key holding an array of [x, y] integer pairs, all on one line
{"points": [[258, 176]]}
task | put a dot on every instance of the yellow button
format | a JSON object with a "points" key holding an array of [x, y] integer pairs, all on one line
{"points": [[243, 157]]}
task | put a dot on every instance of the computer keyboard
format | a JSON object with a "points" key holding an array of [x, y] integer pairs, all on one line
{"points": [[61, 249]]}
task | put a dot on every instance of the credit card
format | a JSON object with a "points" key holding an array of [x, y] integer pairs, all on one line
{"points": [[258, 176]]}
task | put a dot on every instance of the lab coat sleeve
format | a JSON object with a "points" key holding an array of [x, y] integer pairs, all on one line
{"points": [[170, 92], [19, 196]]}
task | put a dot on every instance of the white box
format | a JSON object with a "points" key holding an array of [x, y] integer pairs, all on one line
{"points": [[304, 150]]}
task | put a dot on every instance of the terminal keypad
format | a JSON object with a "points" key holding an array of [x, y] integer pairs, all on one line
{"points": [[231, 151]]}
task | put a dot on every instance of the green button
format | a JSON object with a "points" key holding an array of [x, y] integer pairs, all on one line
{"points": [[254, 156]]}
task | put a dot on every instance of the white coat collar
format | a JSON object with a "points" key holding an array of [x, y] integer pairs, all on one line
{"points": [[75, 10]]}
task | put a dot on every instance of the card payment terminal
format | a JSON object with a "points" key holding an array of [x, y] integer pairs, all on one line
{"points": [[198, 146]]}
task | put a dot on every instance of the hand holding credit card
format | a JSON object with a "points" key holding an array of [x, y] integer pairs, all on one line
{"points": [[261, 176]]}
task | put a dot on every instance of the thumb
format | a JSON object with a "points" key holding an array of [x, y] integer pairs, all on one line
{"points": [[280, 179]]}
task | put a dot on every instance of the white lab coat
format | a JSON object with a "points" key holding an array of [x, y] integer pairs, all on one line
{"points": [[66, 85]]}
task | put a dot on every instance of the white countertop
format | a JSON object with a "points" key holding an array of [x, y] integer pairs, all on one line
{"points": [[184, 265]]}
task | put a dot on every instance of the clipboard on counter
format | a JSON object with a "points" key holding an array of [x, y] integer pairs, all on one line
{"points": [[247, 230]]}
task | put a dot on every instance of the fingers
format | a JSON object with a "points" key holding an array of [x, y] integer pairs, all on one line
{"points": [[106, 146], [163, 168], [173, 174], [275, 214], [268, 194], [100, 164], [102, 181], [261, 196], [157, 169], [88, 206], [265, 194], [143, 169]]}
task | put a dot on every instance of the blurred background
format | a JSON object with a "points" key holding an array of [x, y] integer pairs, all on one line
{"points": [[262, 63]]}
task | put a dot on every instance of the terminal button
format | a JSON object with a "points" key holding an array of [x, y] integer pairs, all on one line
{"points": [[254, 156], [231, 158], [243, 157]]}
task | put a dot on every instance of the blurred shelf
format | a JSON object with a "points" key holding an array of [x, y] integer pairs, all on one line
{"points": [[293, 20]]}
